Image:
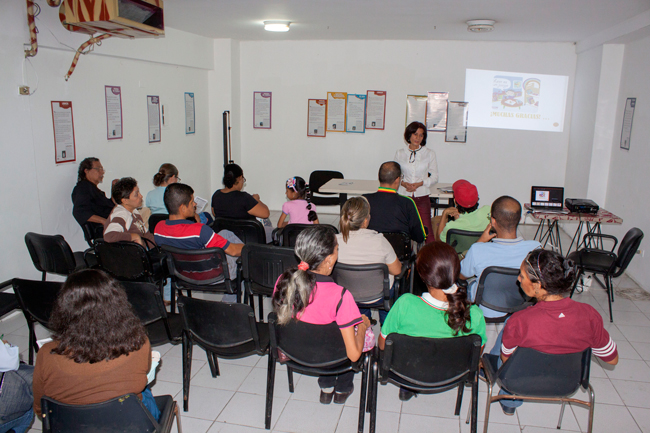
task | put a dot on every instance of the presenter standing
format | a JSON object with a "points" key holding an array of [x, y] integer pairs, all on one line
{"points": [[419, 171]]}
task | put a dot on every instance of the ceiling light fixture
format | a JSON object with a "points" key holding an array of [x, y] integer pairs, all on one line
{"points": [[276, 26], [480, 26]]}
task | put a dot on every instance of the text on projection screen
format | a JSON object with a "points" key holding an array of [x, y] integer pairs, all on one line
{"points": [[516, 100]]}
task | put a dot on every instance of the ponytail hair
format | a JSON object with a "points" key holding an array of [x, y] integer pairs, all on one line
{"points": [[353, 214], [438, 266], [555, 273], [165, 172], [295, 286], [231, 172], [298, 184]]}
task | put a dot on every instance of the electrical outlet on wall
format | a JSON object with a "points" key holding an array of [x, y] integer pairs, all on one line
{"points": [[23, 90]]}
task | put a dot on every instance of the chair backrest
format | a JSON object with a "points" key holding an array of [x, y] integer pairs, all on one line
{"points": [[316, 346], [36, 298], [92, 232], [461, 240], [146, 301], [124, 414], [263, 264], [529, 372], [50, 253], [430, 361], [218, 324], [626, 250], [365, 282], [290, 233], [401, 243], [249, 231], [318, 178], [126, 261], [499, 290], [198, 269], [154, 219]]}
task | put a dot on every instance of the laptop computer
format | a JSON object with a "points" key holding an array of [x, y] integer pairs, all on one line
{"points": [[547, 198]]}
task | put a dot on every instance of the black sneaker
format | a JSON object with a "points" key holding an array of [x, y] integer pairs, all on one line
{"points": [[406, 395], [326, 397]]}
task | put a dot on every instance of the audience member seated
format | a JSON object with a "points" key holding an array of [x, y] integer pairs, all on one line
{"points": [[299, 209], [179, 232], [308, 293], [442, 312], [125, 222], [556, 324], [465, 216], [89, 203], [360, 246], [16, 397], [232, 202], [392, 212], [501, 248], [100, 349]]}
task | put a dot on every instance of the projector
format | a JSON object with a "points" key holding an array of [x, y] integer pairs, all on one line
{"points": [[581, 205]]}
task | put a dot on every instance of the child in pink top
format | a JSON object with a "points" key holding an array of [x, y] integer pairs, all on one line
{"points": [[298, 208]]}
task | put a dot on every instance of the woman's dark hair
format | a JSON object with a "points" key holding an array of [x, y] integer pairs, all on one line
{"points": [[554, 273], [438, 266], [300, 186], [165, 172], [86, 164], [294, 288], [92, 319], [231, 173], [123, 189], [412, 129], [466, 209]]}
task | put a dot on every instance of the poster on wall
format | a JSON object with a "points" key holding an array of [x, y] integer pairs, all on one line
{"points": [[113, 112], [316, 117], [63, 122], [190, 118], [416, 109], [456, 122], [262, 110], [375, 109], [153, 118], [437, 111], [356, 113], [628, 115], [336, 102]]}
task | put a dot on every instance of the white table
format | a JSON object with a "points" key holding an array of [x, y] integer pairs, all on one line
{"points": [[364, 186]]}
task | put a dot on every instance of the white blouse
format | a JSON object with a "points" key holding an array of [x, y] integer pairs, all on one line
{"points": [[416, 167]]}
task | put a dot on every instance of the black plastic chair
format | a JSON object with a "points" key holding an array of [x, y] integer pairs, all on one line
{"points": [[36, 299], [203, 270], [93, 232], [498, 290], [319, 178], [428, 365], [248, 231], [150, 309], [530, 375], [606, 263], [224, 330], [8, 301], [51, 253], [154, 219], [261, 267], [129, 261], [401, 243], [121, 414], [462, 240], [287, 236], [316, 350]]}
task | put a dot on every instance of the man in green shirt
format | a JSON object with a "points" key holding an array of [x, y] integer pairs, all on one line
{"points": [[467, 214]]}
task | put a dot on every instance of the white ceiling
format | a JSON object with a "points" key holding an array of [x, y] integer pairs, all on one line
{"points": [[517, 20]]}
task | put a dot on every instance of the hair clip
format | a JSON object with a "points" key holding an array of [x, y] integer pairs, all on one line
{"points": [[291, 183], [303, 266], [450, 291]]}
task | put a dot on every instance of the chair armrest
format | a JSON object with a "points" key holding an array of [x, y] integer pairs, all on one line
{"points": [[601, 236], [5, 285]]}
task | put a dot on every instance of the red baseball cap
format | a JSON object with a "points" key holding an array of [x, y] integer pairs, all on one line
{"points": [[465, 194]]}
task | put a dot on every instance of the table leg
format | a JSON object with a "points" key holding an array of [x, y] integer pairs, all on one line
{"points": [[342, 199], [577, 235]]}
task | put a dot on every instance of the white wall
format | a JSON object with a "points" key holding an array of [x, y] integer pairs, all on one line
{"points": [[629, 177], [36, 195], [497, 161]]}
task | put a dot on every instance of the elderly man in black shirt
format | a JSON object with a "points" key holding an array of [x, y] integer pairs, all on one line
{"points": [[90, 204], [391, 212]]}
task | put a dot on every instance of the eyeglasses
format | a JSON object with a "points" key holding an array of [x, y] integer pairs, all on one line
{"points": [[99, 169], [178, 178]]}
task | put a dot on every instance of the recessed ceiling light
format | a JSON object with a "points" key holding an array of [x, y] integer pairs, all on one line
{"points": [[480, 26], [276, 26]]}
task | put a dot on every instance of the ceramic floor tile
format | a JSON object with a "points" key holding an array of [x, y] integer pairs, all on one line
{"points": [[634, 394], [630, 318], [643, 349], [193, 425], [439, 405], [160, 387], [642, 418], [635, 333], [416, 423], [206, 403], [387, 422], [230, 377], [249, 410], [171, 369], [496, 414], [387, 399], [492, 428], [546, 415], [619, 304], [608, 419], [532, 429], [307, 388], [176, 351], [309, 417], [629, 369], [255, 383], [12, 322], [247, 361], [222, 427], [604, 392], [626, 350]]}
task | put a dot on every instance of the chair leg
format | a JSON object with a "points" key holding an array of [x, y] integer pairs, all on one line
{"points": [[177, 413], [559, 421], [575, 283], [270, 383], [611, 286], [364, 392], [610, 297], [32, 342], [487, 407], [290, 378], [374, 377], [592, 403], [213, 362], [260, 300], [459, 398], [187, 370], [474, 404]]}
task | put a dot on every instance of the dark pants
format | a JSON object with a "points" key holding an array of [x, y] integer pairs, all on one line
{"points": [[424, 208], [341, 383]]}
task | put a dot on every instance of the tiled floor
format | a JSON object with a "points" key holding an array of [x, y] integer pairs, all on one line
{"points": [[234, 401]]}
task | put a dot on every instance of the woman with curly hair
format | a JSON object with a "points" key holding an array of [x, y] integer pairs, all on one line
{"points": [[442, 312], [100, 349]]}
